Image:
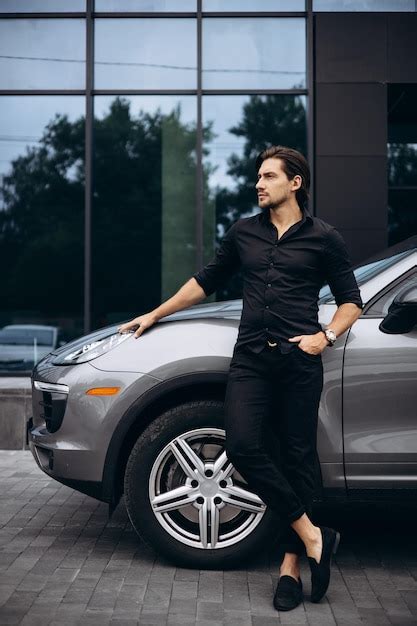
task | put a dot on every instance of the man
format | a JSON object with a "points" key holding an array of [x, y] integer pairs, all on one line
{"points": [[276, 372]]}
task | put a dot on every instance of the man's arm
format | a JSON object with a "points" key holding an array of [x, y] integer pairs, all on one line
{"points": [[342, 283], [222, 266], [204, 282], [337, 269], [346, 315], [190, 293]]}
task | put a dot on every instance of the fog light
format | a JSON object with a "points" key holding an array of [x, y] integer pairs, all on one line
{"points": [[45, 457]]}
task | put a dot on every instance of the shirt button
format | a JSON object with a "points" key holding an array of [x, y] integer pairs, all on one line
{"points": [[275, 244], [267, 328], [269, 284], [267, 306], [271, 265]]}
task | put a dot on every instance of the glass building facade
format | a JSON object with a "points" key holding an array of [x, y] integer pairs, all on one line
{"points": [[129, 130]]}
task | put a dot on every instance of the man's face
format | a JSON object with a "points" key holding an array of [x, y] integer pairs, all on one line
{"points": [[273, 186]]}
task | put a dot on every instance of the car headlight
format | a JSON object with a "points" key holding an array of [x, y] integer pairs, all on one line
{"points": [[89, 347]]}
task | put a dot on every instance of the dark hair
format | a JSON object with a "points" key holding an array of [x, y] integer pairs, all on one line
{"points": [[293, 163]]}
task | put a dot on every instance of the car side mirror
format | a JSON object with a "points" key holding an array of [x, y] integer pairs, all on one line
{"points": [[402, 312]]}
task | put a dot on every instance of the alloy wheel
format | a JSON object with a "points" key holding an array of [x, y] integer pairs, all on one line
{"points": [[198, 496]]}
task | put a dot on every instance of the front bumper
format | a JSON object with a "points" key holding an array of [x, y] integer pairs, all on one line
{"points": [[70, 432], [45, 458]]}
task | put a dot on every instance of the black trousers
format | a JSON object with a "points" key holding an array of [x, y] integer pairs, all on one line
{"points": [[271, 416]]}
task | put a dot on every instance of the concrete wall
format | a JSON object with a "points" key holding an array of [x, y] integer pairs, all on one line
{"points": [[15, 409]]}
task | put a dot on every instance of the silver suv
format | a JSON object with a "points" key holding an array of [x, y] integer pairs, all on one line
{"points": [[143, 417]]}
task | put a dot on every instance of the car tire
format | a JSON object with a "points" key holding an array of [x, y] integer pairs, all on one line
{"points": [[154, 528]]}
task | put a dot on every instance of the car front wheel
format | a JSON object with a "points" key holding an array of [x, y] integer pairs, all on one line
{"points": [[183, 496]]}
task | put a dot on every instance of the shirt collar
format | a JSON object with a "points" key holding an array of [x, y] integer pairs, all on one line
{"points": [[265, 216]]}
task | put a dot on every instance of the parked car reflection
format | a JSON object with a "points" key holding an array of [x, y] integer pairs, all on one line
{"points": [[23, 345]]}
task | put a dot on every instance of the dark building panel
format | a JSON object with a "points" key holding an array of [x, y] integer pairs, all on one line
{"points": [[351, 48], [351, 119], [364, 243], [350, 193], [351, 128], [402, 48]]}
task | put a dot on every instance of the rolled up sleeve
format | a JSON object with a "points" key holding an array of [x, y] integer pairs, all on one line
{"points": [[222, 266], [338, 270]]}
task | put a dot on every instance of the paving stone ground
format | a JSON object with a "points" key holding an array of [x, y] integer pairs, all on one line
{"points": [[63, 562]]}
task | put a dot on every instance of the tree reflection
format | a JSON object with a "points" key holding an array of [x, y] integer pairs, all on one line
{"points": [[144, 209], [402, 191], [41, 228], [144, 176], [402, 164], [266, 120]]}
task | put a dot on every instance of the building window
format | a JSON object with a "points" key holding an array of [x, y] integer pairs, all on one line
{"points": [[144, 199], [42, 53], [129, 53], [248, 53], [253, 5], [41, 216], [41, 6], [146, 5], [402, 162], [364, 5]]}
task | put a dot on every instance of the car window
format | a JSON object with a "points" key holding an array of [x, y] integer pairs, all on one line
{"points": [[363, 273], [25, 337], [380, 306]]}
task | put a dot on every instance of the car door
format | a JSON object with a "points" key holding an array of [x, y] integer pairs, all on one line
{"points": [[380, 401]]}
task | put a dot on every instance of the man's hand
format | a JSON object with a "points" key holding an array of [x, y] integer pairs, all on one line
{"points": [[313, 344], [140, 323]]}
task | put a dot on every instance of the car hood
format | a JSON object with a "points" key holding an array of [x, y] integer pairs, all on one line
{"points": [[229, 309]]}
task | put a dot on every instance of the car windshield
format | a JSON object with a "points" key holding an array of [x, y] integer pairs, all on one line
{"points": [[363, 273], [26, 337]]}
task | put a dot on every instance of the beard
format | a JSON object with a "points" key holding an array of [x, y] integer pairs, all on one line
{"points": [[270, 205]]}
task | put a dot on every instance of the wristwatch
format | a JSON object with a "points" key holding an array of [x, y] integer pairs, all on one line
{"points": [[330, 336]]}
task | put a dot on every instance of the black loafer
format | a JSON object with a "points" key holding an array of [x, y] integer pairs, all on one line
{"points": [[288, 594], [320, 572]]}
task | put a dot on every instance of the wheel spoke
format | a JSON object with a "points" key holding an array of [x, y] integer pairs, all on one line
{"points": [[223, 467], [174, 499], [203, 523], [242, 498], [187, 458], [193, 458], [215, 524]]}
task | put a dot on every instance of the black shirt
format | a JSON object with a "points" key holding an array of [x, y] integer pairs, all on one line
{"points": [[282, 276]]}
